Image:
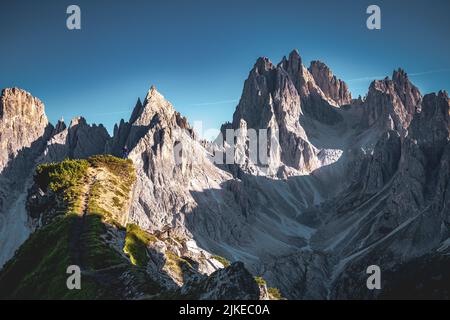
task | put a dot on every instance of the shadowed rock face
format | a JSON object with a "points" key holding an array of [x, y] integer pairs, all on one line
{"points": [[364, 184], [78, 141]]}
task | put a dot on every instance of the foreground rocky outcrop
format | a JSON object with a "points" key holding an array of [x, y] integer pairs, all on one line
{"points": [[343, 184]]}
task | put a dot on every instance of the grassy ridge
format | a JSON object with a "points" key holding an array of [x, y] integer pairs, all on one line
{"points": [[38, 269]]}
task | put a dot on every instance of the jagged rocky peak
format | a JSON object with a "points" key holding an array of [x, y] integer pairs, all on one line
{"points": [[79, 140], [267, 83], [167, 155], [138, 108], [155, 112], [391, 103], [86, 140], [298, 74], [59, 127], [408, 93], [331, 86], [154, 103], [78, 121], [277, 98], [302, 78], [79, 125], [315, 102], [263, 65], [293, 65], [22, 122]]}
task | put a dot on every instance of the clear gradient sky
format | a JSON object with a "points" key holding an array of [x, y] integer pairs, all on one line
{"points": [[199, 52]]}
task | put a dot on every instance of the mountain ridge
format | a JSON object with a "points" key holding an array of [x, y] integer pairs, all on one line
{"points": [[349, 180]]}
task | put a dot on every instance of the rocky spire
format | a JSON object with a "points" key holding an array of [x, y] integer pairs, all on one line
{"points": [[154, 103], [263, 65], [406, 91], [136, 111], [331, 86], [155, 111], [293, 65], [59, 127], [392, 103]]}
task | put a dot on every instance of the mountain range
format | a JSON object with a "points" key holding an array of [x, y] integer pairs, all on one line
{"points": [[350, 183]]}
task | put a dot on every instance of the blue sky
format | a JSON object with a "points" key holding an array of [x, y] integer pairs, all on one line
{"points": [[199, 52]]}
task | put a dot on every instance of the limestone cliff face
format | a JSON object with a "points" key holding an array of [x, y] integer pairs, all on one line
{"points": [[24, 129], [22, 123]]}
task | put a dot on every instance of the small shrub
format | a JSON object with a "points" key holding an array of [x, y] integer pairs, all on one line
{"points": [[274, 293], [260, 281], [222, 260]]}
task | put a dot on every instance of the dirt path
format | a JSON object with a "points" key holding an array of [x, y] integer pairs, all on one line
{"points": [[107, 277], [76, 246], [90, 180]]}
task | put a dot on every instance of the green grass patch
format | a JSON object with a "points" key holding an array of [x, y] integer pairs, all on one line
{"points": [[222, 260], [98, 254], [177, 264], [38, 270], [122, 168], [123, 177], [93, 205], [136, 242]]}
